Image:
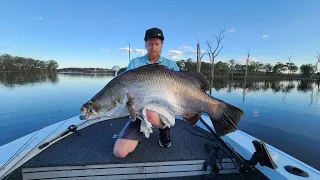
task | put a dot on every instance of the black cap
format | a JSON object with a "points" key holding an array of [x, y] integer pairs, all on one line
{"points": [[154, 33]]}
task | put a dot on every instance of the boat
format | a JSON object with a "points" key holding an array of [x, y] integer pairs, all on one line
{"points": [[74, 149]]}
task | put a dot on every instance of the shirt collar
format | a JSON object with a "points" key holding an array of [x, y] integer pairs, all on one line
{"points": [[147, 61]]}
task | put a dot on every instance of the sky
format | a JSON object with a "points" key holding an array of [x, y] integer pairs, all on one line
{"points": [[96, 33]]}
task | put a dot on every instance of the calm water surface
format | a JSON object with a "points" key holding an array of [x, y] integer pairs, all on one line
{"points": [[285, 114]]}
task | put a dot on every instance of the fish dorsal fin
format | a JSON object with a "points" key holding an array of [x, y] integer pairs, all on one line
{"points": [[204, 83]]}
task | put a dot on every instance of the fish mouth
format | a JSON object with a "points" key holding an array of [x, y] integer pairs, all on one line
{"points": [[92, 117], [92, 114], [89, 111]]}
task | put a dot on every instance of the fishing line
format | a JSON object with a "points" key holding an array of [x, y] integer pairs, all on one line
{"points": [[38, 144], [25, 145]]}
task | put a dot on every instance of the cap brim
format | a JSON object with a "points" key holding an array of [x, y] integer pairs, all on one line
{"points": [[161, 38]]}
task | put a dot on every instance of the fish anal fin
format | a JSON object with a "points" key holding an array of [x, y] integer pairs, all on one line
{"points": [[194, 119], [133, 114]]}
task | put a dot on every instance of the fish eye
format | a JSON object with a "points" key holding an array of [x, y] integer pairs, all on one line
{"points": [[113, 102]]}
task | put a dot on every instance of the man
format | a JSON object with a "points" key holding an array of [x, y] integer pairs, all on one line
{"points": [[130, 135]]}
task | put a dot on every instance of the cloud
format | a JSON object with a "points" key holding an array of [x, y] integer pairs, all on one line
{"points": [[140, 51], [183, 50], [175, 54], [176, 57], [187, 48], [137, 51], [40, 18], [106, 50], [190, 50], [243, 60], [125, 49], [232, 30], [265, 36]]}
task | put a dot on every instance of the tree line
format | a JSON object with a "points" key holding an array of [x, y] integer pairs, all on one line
{"points": [[17, 63], [254, 68], [85, 70]]}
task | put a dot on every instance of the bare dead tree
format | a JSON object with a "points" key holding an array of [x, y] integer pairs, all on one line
{"points": [[289, 58], [210, 58], [129, 53], [231, 66], [289, 69], [247, 61], [316, 65], [199, 57], [214, 53]]}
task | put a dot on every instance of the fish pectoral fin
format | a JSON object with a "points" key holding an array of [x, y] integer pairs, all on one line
{"points": [[194, 119], [133, 114]]}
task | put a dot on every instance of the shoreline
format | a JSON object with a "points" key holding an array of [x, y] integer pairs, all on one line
{"points": [[250, 77], [83, 73], [257, 77]]}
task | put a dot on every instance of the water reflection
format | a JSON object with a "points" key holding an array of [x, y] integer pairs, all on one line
{"points": [[284, 86], [11, 79], [277, 86], [304, 86]]}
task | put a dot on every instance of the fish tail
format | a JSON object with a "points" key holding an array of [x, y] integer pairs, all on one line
{"points": [[224, 117]]}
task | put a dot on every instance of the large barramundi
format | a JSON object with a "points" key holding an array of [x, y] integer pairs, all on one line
{"points": [[181, 93]]}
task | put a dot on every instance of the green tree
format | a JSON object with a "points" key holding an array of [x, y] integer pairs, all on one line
{"points": [[221, 68], [52, 65], [268, 67], [240, 69], [6, 61], [279, 68], [306, 69], [292, 67], [231, 66]]}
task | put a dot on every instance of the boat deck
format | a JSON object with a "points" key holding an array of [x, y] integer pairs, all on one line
{"points": [[93, 150]]}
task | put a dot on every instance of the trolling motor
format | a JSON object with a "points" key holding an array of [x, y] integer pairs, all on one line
{"points": [[261, 156]]}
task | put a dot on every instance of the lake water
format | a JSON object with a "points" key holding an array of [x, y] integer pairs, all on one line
{"points": [[285, 114]]}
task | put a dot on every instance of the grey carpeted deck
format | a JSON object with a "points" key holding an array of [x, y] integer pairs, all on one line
{"points": [[95, 146]]}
